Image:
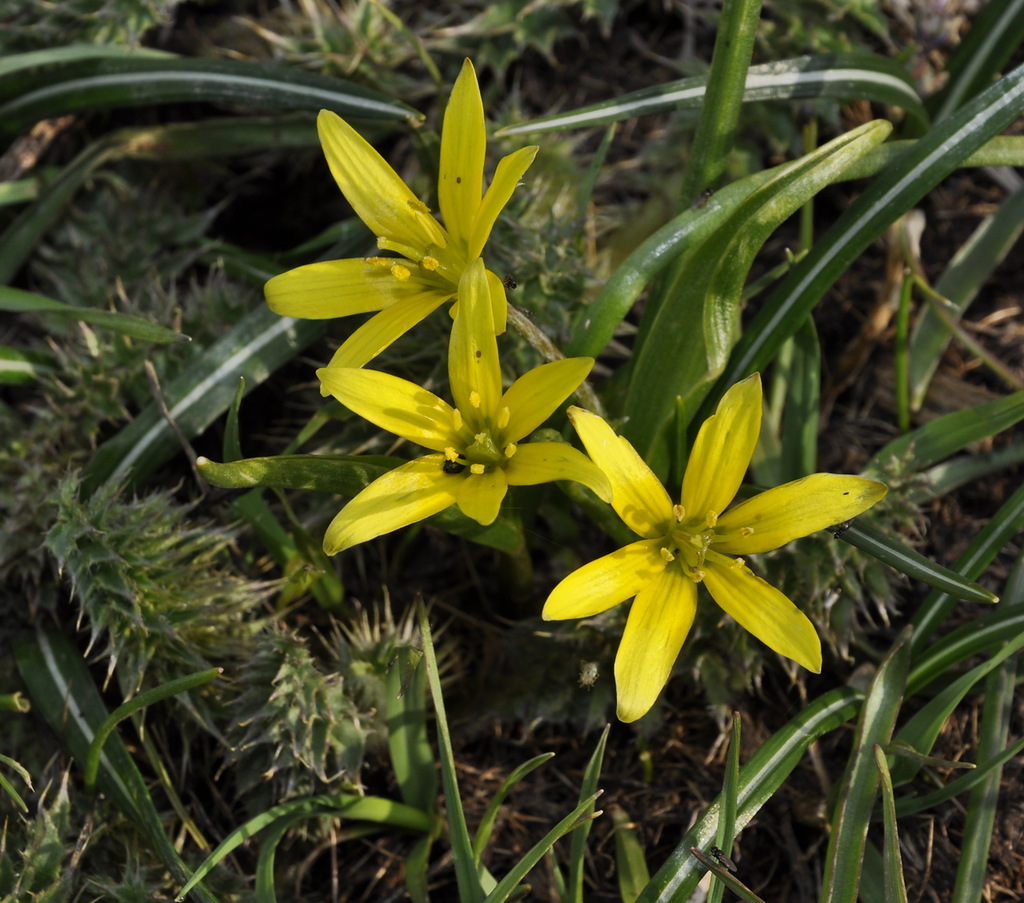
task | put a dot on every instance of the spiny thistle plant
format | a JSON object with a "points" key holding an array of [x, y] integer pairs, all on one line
{"points": [[232, 699]]}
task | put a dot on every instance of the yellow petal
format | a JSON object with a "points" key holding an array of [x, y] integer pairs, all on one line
{"points": [[543, 462], [658, 623], [381, 330], [537, 394], [338, 288], [637, 494], [474, 371], [763, 610], [400, 497], [609, 580], [393, 404], [479, 496], [376, 192], [723, 449], [792, 510], [463, 146], [507, 176], [499, 302]]}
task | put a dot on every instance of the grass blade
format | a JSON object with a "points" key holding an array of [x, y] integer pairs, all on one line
{"points": [[486, 826], [856, 799], [630, 863], [578, 847], [892, 861]]}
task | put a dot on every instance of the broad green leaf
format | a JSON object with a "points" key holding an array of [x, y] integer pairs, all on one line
{"points": [[688, 342], [31, 93], [65, 696], [253, 349], [347, 476], [845, 76], [959, 284], [18, 301], [856, 799], [412, 760], [912, 563], [760, 778], [908, 178]]}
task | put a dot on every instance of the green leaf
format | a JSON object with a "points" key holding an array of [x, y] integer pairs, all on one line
{"points": [[1007, 522], [630, 863], [845, 76], [759, 779], [15, 300], [253, 349], [967, 271], [490, 816], [412, 760], [856, 799], [892, 861], [21, 368], [727, 821], [578, 847], [64, 694], [913, 564], [907, 179], [686, 344], [42, 91], [348, 476]]}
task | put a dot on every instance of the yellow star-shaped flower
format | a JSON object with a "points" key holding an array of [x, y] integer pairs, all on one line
{"points": [[478, 453], [430, 258], [689, 543]]}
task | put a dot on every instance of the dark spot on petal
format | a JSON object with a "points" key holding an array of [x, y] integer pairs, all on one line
{"points": [[479, 353], [458, 180]]}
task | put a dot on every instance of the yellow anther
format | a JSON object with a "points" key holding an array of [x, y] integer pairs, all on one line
{"points": [[737, 564], [474, 398], [451, 454], [711, 518], [510, 449], [457, 420], [417, 206], [504, 415], [746, 531], [476, 468], [430, 263], [379, 261], [481, 438], [698, 574], [401, 273], [679, 512], [667, 554]]}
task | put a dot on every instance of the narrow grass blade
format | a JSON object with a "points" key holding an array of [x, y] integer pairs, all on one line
{"points": [[856, 799], [723, 98], [379, 811], [727, 819], [56, 89], [913, 564], [845, 76], [22, 368], [687, 342], [466, 876], [64, 694], [921, 731], [990, 42], [486, 826], [342, 475], [8, 788], [760, 778], [630, 863], [944, 478], [15, 300], [136, 704], [253, 349], [892, 860], [901, 185], [967, 271], [801, 370], [1006, 523], [951, 433], [579, 816], [578, 846], [725, 878]]}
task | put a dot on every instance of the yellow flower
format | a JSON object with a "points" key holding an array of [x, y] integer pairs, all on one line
{"points": [[430, 258], [690, 543], [478, 453]]}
